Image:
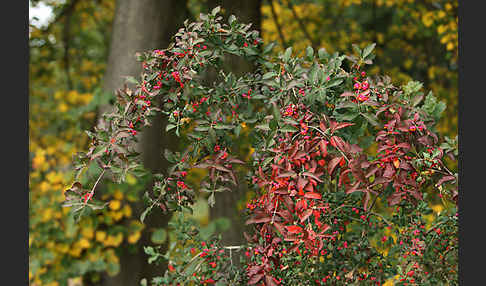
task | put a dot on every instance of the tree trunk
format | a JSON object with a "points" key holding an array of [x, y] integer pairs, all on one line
{"points": [[246, 12], [139, 26]]}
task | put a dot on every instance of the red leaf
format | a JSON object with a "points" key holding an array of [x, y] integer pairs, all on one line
{"points": [[339, 143], [354, 188], [346, 93], [323, 147], [313, 195], [259, 219], [280, 228], [416, 194], [323, 126], [269, 280], [301, 182], [252, 270], [332, 164], [342, 125], [286, 215], [324, 228], [404, 145], [255, 278], [342, 176], [294, 229], [287, 174], [305, 215], [312, 176], [309, 188], [395, 198], [221, 168], [389, 172], [445, 179]]}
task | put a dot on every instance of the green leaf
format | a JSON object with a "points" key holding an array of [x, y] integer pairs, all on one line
{"points": [[99, 151], [266, 161], [322, 53], [368, 50], [371, 119], [131, 79], [201, 128], [265, 127], [170, 127], [346, 104], [288, 128], [159, 236], [211, 200], [276, 112], [269, 75], [273, 124], [356, 49], [309, 52], [222, 126], [231, 19], [334, 82], [237, 130], [412, 87], [346, 116], [144, 214], [287, 54], [268, 48], [215, 10]]}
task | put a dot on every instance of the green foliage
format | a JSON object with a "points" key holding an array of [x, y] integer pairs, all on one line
{"points": [[60, 249], [332, 206]]}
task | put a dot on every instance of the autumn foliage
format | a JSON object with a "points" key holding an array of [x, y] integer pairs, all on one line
{"points": [[344, 165]]}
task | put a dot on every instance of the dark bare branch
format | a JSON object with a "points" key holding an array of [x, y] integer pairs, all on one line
{"points": [[279, 28]]}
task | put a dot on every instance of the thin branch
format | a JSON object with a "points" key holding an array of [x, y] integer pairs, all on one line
{"points": [[314, 44], [68, 8], [327, 137], [94, 186], [374, 201], [279, 28], [66, 38]]}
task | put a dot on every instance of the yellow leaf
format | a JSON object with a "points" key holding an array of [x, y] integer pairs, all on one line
{"points": [[114, 205], [133, 238], [100, 235]]}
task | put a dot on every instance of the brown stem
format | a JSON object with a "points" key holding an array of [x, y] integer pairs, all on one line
{"points": [[66, 37], [314, 44], [279, 28]]}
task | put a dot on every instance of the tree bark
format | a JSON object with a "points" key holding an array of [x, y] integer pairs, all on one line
{"points": [[139, 26]]}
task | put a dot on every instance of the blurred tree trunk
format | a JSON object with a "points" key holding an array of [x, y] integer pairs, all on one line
{"points": [[246, 12], [139, 26]]}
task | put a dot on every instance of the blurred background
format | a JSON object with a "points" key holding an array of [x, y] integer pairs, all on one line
{"points": [[79, 51]]}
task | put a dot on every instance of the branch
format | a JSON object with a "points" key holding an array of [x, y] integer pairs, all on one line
{"points": [[279, 28], [66, 37], [68, 8], [314, 44]]}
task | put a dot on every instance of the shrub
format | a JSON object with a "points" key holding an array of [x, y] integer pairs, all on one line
{"points": [[345, 167]]}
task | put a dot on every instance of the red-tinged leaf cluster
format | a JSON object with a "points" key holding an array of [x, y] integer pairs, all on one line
{"points": [[330, 147]]}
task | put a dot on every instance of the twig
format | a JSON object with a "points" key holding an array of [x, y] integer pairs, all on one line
{"points": [[65, 10], [279, 28], [275, 210], [231, 248], [382, 217], [66, 37], [302, 26], [374, 201], [94, 186], [327, 137]]}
